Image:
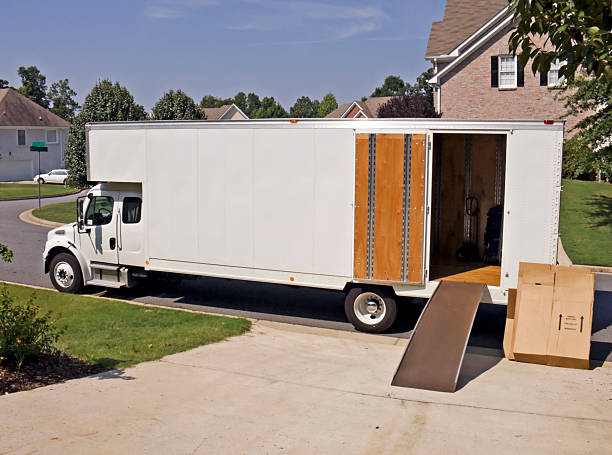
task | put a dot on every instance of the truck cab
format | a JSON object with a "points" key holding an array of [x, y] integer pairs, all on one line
{"points": [[105, 246]]}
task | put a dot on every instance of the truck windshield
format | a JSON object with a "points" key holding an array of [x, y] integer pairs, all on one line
{"points": [[99, 210]]}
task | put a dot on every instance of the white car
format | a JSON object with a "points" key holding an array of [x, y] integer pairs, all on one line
{"points": [[55, 176]]}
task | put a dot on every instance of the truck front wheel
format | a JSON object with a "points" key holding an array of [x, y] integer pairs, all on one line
{"points": [[370, 310], [65, 273]]}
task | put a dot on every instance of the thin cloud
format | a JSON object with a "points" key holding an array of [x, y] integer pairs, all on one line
{"points": [[171, 9], [341, 21]]}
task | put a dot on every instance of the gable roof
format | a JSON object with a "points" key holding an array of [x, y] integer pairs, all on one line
{"points": [[18, 110], [219, 113], [369, 107], [461, 19]]}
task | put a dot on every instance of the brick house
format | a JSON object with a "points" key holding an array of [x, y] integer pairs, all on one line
{"points": [[476, 77]]}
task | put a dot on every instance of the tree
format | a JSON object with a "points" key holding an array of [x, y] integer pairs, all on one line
{"points": [[589, 95], [392, 86], [240, 100], [177, 106], [105, 102], [33, 85], [304, 107], [61, 95], [270, 108], [4, 83], [327, 104], [213, 101], [407, 106], [253, 103], [576, 31]]}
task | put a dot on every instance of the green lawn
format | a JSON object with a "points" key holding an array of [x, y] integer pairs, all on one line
{"points": [[63, 212], [115, 334], [586, 222], [22, 190]]}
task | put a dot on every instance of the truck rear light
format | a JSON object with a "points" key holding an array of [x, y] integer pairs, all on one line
{"points": [[549, 122]]}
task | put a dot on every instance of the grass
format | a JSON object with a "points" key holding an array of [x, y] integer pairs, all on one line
{"points": [[63, 212], [22, 190], [586, 222], [116, 334]]}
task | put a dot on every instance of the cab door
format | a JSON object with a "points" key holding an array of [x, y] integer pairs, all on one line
{"points": [[98, 240], [130, 237]]}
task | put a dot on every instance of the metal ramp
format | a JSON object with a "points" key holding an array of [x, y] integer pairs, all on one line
{"points": [[435, 351]]}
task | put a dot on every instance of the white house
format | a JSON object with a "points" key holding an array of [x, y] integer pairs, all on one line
{"points": [[22, 122]]}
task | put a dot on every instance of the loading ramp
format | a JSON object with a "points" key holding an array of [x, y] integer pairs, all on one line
{"points": [[434, 354]]}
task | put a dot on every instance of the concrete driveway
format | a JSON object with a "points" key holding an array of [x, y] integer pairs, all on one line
{"points": [[291, 389]]}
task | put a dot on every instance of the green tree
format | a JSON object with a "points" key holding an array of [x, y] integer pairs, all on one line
{"points": [[593, 96], [253, 103], [392, 86], [327, 104], [33, 85], [576, 31], [177, 106], [61, 96], [4, 83], [408, 106], [105, 102], [270, 108], [304, 107], [240, 100], [213, 101]]}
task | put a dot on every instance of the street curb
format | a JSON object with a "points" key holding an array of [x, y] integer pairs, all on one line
{"points": [[42, 197], [27, 217]]}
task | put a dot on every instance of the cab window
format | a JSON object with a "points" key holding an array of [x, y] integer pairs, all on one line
{"points": [[99, 211], [131, 210]]}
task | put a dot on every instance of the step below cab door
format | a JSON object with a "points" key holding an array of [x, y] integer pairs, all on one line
{"points": [[390, 200], [98, 237]]}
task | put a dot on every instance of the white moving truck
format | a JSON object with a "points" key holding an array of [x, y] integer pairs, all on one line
{"points": [[378, 208]]}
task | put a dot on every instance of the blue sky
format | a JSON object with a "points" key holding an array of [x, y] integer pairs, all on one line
{"points": [[284, 49]]}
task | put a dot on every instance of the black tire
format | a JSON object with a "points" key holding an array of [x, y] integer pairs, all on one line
{"points": [[41, 180], [379, 321], [65, 273]]}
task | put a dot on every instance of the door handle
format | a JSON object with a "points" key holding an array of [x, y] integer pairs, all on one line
{"points": [[112, 242]]}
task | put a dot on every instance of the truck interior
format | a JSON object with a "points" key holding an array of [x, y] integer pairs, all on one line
{"points": [[467, 207]]}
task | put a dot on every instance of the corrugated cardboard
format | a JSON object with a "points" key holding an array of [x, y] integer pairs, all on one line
{"points": [[509, 331], [569, 341], [533, 312], [552, 316]]}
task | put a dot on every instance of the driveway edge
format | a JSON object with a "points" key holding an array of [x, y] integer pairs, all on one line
{"points": [[27, 217]]}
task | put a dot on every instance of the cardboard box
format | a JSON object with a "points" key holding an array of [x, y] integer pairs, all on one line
{"points": [[509, 330], [533, 312], [552, 317], [569, 341]]}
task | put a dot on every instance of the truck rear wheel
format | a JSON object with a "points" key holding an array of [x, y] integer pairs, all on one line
{"points": [[371, 310], [65, 273]]}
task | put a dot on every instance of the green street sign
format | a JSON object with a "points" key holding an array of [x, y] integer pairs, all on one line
{"points": [[39, 147]]}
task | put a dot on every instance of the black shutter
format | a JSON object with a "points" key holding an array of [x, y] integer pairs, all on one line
{"points": [[520, 75], [543, 78], [494, 72]]}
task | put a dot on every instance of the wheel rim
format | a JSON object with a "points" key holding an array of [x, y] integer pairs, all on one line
{"points": [[64, 275], [370, 308]]}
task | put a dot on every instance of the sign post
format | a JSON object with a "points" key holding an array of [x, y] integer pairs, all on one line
{"points": [[38, 147]]}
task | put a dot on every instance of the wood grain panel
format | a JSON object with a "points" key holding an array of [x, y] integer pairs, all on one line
{"points": [[417, 209], [361, 206], [388, 207]]}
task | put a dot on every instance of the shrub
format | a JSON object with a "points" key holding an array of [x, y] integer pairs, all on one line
{"points": [[24, 331]]}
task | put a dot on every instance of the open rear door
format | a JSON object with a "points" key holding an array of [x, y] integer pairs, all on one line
{"points": [[390, 207]]}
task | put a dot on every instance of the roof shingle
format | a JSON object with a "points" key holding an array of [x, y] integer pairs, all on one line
{"points": [[461, 19], [17, 110]]}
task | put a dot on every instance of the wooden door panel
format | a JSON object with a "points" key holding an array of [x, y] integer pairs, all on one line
{"points": [[417, 208], [361, 205], [388, 207]]}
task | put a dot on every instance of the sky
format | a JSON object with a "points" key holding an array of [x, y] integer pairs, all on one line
{"points": [[284, 49]]}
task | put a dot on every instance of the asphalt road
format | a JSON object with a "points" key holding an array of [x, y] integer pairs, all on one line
{"points": [[289, 304]]}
